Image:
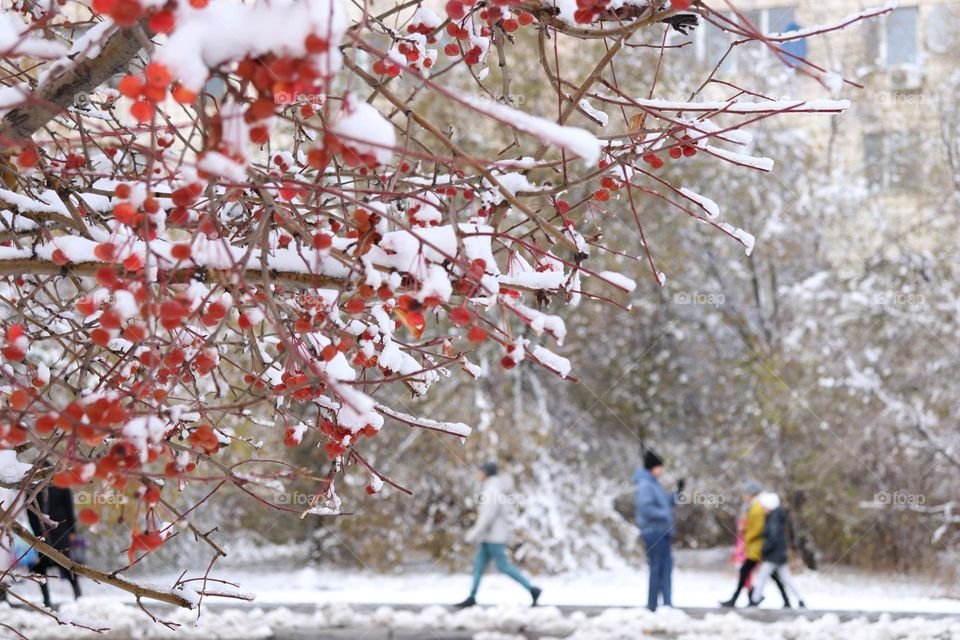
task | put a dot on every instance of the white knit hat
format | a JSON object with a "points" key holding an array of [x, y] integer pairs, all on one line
{"points": [[769, 500]]}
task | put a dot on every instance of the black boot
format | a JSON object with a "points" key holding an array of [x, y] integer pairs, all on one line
{"points": [[535, 594], [75, 583], [755, 603], [469, 602], [728, 604], [801, 605]]}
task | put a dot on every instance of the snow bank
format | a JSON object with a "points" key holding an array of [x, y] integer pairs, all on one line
{"points": [[516, 622]]}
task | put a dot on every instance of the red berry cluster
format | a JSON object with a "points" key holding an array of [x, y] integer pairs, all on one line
{"points": [[386, 67], [277, 79], [416, 55], [151, 90], [425, 29], [138, 218], [474, 55], [687, 148], [143, 541], [17, 343]]}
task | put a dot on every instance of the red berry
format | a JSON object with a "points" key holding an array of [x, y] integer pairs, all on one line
{"points": [[157, 75], [131, 87], [100, 337], [180, 251], [477, 334], [142, 111], [105, 251], [103, 6], [161, 22], [460, 316], [28, 157], [183, 95], [455, 10]]}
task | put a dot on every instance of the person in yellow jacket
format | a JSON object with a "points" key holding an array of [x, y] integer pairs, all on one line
{"points": [[753, 543]]}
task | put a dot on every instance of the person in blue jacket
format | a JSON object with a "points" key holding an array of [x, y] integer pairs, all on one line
{"points": [[654, 508]]}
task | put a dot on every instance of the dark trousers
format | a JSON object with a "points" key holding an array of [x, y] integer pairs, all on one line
{"points": [[660, 558], [745, 570]]}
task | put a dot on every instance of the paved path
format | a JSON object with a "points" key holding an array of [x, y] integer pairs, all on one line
{"points": [[759, 615]]}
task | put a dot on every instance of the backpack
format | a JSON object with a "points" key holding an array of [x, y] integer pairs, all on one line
{"points": [[22, 555]]}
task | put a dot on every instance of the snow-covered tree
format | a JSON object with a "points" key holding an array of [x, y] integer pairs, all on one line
{"points": [[229, 225]]}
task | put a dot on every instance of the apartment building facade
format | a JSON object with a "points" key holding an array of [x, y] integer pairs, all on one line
{"points": [[908, 63]]}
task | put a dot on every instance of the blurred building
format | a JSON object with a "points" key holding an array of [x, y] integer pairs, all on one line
{"points": [[899, 140]]}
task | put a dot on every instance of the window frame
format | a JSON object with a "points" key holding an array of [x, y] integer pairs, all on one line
{"points": [[700, 42], [878, 53]]}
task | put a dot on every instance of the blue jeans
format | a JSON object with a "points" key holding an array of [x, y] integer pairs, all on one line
{"points": [[491, 551], [661, 566]]}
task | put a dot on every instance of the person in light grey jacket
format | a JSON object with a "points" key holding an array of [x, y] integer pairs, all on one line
{"points": [[492, 532]]}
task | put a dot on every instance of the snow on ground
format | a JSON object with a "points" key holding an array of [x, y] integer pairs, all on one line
{"points": [[482, 623], [833, 590], [333, 591]]}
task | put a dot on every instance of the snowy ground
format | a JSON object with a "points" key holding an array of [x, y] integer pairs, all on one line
{"points": [[480, 623], [296, 603]]}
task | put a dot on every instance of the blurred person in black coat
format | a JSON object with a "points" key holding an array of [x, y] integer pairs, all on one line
{"points": [[57, 505]]}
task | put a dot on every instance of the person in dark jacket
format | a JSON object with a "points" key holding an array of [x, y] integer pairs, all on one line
{"points": [[752, 542], [655, 519], [57, 505], [775, 560]]}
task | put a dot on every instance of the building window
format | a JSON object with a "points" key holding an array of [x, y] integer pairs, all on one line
{"points": [[892, 160], [713, 42], [893, 40], [902, 36]]}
